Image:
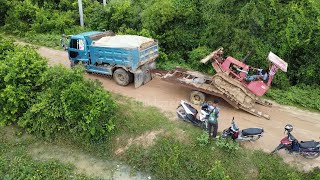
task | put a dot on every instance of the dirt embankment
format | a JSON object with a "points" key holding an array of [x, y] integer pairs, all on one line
{"points": [[167, 96]]}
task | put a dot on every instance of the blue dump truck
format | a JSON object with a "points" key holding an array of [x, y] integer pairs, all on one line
{"points": [[127, 58]]}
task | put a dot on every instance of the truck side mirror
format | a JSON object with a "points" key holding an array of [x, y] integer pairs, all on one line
{"points": [[63, 41], [63, 44]]}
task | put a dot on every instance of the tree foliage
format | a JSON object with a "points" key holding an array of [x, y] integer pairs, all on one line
{"points": [[290, 29]]}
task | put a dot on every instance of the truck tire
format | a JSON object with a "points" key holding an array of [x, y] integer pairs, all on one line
{"points": [[121, 77], [74, 63], [197, 97]]}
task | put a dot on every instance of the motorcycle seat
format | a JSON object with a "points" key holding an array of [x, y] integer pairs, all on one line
{"points": [[192, 109], [308, 144], [252, 131]]}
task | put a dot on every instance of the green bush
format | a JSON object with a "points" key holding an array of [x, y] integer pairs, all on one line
{"points": [[196, 55], [203, 139], [50, 21], [4, 6], [49, 101], [227, 144], [301, 95], [6, 46], [70, 104], [20, 17], [20, 72], [217, 172]]}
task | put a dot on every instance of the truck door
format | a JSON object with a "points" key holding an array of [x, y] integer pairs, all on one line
{"points": [[78, 50]]}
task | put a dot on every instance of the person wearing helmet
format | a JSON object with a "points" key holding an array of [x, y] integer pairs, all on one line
{"points": [[295, 144], [289, 128]]}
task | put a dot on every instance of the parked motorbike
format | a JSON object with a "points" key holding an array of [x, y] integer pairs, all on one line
{"points": [[307, 149], [189, 114], [249, 134]]}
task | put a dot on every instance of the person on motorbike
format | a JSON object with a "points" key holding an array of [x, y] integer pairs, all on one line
{"points": [[295, 145], [213, 118]]}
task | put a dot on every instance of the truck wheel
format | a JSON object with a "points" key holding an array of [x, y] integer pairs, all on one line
{"points": [[121, 77], [74, 63], [197, 97]]}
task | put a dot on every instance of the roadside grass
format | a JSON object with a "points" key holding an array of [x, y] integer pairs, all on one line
{"points": [[174, 154], [177, 154], [173, 158], [48, 40], [16, 163], [302, 96]]}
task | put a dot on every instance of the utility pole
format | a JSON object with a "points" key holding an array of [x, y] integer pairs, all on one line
{"points": [[81, 13], [104, 2]]}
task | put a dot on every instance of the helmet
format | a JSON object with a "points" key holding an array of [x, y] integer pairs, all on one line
{"points": [[288, 127]]}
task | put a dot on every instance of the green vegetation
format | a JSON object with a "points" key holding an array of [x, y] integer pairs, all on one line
{"points": [[51, 100], [16, 163], [182, 151], [183, 28], [303, 95], [175, 154], [20, 71]]}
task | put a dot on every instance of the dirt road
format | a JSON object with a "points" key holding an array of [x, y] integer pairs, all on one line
{"points": [[166, 96]]}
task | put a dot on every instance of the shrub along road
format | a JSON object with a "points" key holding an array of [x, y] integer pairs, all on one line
{"points": [[167, 96]]}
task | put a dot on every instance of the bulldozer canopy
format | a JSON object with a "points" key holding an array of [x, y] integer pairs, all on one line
{"points": [[278, 61]]}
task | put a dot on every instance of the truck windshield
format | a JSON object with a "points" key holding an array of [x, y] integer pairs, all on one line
{"points": [[77, 44]]}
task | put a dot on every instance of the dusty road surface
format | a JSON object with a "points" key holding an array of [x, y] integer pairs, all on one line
{"points": [[166, 96]]}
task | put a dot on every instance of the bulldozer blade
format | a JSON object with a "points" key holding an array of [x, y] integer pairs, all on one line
{"points": [[207, 58]]}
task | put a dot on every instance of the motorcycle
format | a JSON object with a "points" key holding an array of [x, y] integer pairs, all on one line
{"points": [[249, 134], [189, 114], [307, 149]]}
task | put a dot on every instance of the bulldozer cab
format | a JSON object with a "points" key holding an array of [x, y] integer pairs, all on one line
{"points": [[239, 70], [260, 87]]}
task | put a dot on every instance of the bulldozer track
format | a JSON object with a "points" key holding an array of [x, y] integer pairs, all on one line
{"points": [[234, 90]]}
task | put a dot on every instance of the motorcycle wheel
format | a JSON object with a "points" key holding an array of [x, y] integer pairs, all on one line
{"points": [[280, 146], [204, 126], [181, 113], [311, 155], [225, 134]]}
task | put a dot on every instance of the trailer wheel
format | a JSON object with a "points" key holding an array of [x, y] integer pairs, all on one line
{"points": [[121, 77], [197, 97]]}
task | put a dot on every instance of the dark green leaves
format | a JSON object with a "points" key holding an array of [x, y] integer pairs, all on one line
{"points": [[51, 101]]}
